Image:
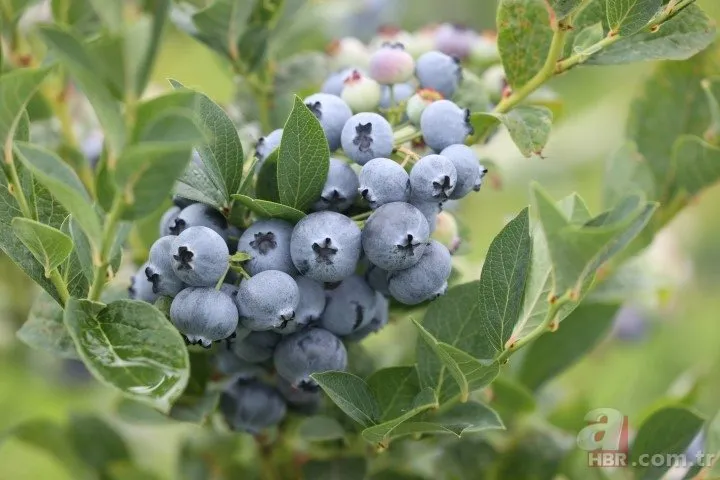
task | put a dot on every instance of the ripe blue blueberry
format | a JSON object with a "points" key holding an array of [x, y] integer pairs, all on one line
{"points": [[200, 215], [310, 308], [394, 236], [366, 136], [168, 220], [431, 210], [341, 188], [306, 402], [332, 113], [92, 147], [267, 300], [141, 288], [268, 242], [391, 64], [433, 179], [443, 124], [376, 277], [200, 256], [350, 306], [325, 246], [159, 270], [380, 317], [227, 363], [467, 167], [204, 315], [251, 406], [384, 181], [308, 351], [418, 102], [257, 347], [266, 145], [401, 93], [426, 280], [440, 72]]}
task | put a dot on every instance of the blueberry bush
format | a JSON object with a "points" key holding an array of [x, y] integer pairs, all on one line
{"points": [[267, 239]]}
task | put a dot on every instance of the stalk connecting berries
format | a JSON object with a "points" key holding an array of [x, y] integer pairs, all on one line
{"points": [[293, 296]]}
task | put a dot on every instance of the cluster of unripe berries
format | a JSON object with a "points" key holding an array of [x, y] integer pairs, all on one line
{"points": [[308, 288]]}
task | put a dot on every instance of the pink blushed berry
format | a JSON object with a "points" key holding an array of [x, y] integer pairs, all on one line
{"points": [[391, 64]]}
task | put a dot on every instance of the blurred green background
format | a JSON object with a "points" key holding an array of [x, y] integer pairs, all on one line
{"points": [[677, 344]]}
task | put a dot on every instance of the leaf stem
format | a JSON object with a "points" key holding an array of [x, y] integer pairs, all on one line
{"points": [[60, 285], [555, 306], [108, 239], [222, 278], [361, 216], [17, 191]]}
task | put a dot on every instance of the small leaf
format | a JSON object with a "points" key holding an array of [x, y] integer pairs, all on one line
{"points": [[81, 65], [303, 159], [467, 417], [351, 394], [44, 328], [131, 346], [382, 432], [64, 185], [524, 37], [145, 65], [222, 155], [585, 41], [266, 209], [319, 428], [395, 389], [668, 431], [626, 17], [16, 89], [554, 352], [48, 245], [696, 166], [195, 184], [219, 25], [266, 187], [679, 38], [96, 442], [254, 40], [627, 172], [529, 126]]}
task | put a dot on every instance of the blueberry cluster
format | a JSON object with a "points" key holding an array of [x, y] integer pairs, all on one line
{"points": [[304, 290]]}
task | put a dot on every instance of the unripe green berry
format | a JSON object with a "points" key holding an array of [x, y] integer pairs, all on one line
{"points": [[361, 93], [416, 104]]}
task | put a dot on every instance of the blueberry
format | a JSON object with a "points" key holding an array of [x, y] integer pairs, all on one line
{"points": [[306, 402], [467, 167], [229, 289], [140, 287], [159, 270], [391, 64], [168, 220], [332, 113], [440, 72], [268, 242], [394, 236], [335, 83], [401, 93], [455, 40], [350, 306], [430, 210], [433, 179], [266, 145], [92, 147], [308, 351], [479, 179], [417, 103], [227, 363], [200, 215], [204, 315], [426, 280], [310, 308], [267, 300], [384, 181], [380, 318], [630, 324], [366, 136], [443, 124], [257, 347], [200, 256], [361, 93], [376, 277], [325, 246], [340, 189], [252, 406]]}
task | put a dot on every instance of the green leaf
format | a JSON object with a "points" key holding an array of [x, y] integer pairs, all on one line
{"points": [[394, 388], [468, 373], [667, 431], [82, 67], [524, 37], [303, 159], [577, 251], [133, 412], [266, 187], [320, 428], [350, 468], [131, 346], [254, 41], [470, 417], [222, 155], [351, 394], [536, 454], [198, 400], [96, 442], [44, 328], [48, 245], [554, 352], [220, 24], [110, 12], [627, 172], [510, 397], [64, 185], [679, 38], [382, 432], [146, 174], [584, 41], [529, 126], [78, 14], [695, 166], [16, 89], [145, 64], [626, 17], [195, 184], [266, 209], [563, 8]]}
